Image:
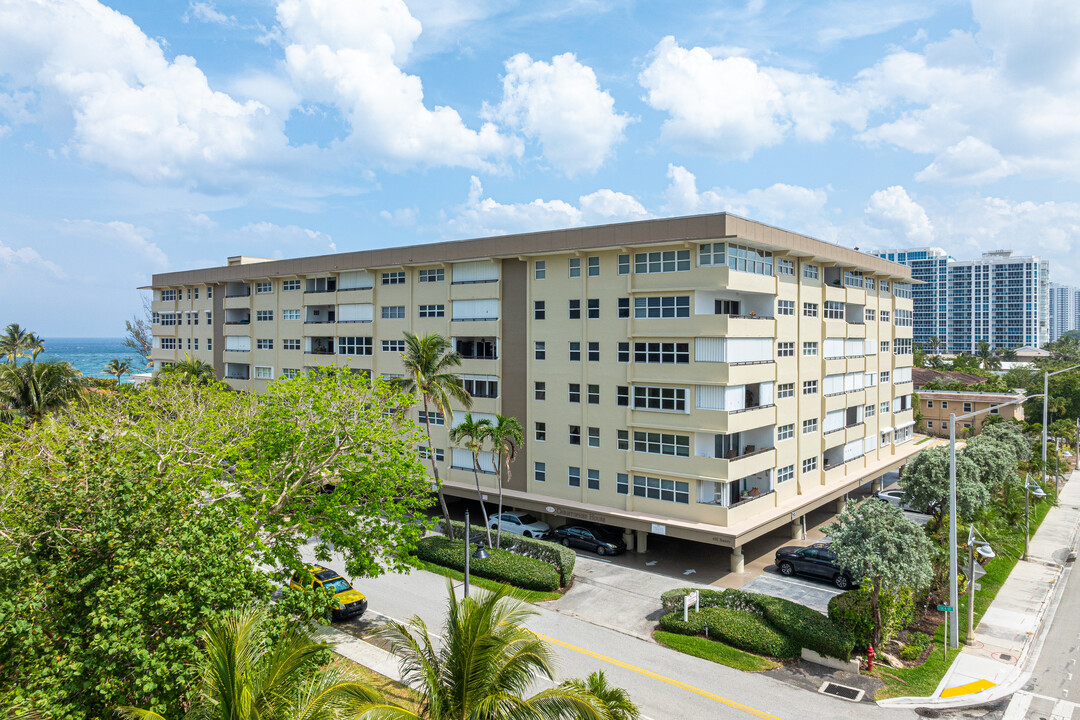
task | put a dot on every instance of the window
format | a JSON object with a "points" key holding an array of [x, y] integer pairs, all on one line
{"points": [[622, 439], [868, 411], [809, 465], [623, 354], [868, 315], [393, 278], [291, 372], [594, 352], [885, 346], [209, 317], [197, 347], [264, 344], [167, 295], [738, 257], [432, 311], [902, 290], [902, 346], [540, 269], [593, 479], [593, 394], [853, 279], [834, 310], [784, 474], [286, 286], [785, 432], [884, 316], [290, 314], [809, 387], [785, 349], [539, 310], [354, 346], [884, 286], [884, 408], [809, 349], [809, 426], [575, 434], [433, 275], [662, 262], [425, 453], [903, 318], [930, 424], [209, 344], [594, 266], [622, 483], [575, 351], [809, 309], [210, 290], [540, 390], [666, 399], [675, 491], [574, 476], [993, 410], [594, 437], [624, 307], [785, 267], [432, 417], [393, 346], [574, 392], [810, 272], [622, 396], [264, 373], [662, 307], [168, 343], [662, 443], [593, 309], [624, 264], [785, 390], [785, 307], [539, 351], [944, 405], [664, 353], [967, 407], [540, 472], [711, 254], [264, 315], [262, 288], [393, 312], [929, 404], [189, 343], [482, 388], [575, 267], [541, 432], [884, 377], [575, 309]]}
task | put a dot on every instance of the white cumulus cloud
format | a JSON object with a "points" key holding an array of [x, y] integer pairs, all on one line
{"points": [[121, 236], [893, 209], [27, 256], [968, 162]]}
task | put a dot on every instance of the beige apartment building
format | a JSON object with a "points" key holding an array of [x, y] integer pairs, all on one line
{"points": [[707, 377], [937, 405]]}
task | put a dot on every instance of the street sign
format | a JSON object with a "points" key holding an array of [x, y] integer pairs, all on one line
{"points": [[688, 600], [945, 608], [978, 586]]}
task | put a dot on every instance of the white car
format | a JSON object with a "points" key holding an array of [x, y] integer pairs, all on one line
{"points": [[894, 498], [520, 523]]}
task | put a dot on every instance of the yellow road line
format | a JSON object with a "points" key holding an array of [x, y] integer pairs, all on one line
{"points": [[661, 678]]}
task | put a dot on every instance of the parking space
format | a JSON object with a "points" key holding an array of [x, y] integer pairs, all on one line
{"points": [[812, 593]]}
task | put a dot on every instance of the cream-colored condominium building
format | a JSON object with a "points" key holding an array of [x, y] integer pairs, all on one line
{"points": [[708, 377]]}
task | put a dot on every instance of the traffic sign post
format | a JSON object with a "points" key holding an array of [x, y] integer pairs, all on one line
{"points": [[946, 609], [688, 600]]}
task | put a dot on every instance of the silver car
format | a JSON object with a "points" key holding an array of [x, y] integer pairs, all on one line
{"points": [[520, 523], [894, 498]]}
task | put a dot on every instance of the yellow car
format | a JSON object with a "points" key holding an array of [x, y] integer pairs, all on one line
{"points": [[351, 602]]}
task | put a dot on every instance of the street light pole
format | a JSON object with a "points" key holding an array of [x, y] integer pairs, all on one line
{"points": [[1027, 514], [987, 552], [467, 552], [954, 586]]}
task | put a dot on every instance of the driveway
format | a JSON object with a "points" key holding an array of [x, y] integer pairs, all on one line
{"points": [[805, 591]]}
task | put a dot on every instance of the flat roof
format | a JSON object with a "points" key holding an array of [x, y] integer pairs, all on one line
{"points": [[696, 228], [972, 395]]}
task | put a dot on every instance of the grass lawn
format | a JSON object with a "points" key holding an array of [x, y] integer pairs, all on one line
{"points": [[392, 690], [715, 651], [519, 593], [922, 680]]}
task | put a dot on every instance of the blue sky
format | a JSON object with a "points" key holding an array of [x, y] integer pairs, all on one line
{"points": [[138, 137]]}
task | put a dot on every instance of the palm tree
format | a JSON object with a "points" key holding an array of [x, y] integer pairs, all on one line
{"points": [[428, 360], [34, 345], [14, 341], [483, 665], [247, 677], [119, 368], [190, 370], [471, 434], [986, 356], [615, 700], [1007, 354], [935, 344], [35, 389], [507, 437]]}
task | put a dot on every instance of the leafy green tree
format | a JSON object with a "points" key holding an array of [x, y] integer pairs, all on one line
{"points": [[33, 390], [246, 673], [935, 345], [139, 332], [14, 342], [191, 370], [614, 700], [995, 462], [507, 436], [118, 367], [35, 345], [1007, 354], [471, 434], [875, 542], [926, 484], [1010, 433], [483, 667], [429, 362], [987, 358]]}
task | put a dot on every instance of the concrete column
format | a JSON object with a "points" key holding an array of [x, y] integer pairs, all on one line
{"points": [[642, 544], [738, 560], [628, 538], [840, 502], [875, 485], [797, 532]]}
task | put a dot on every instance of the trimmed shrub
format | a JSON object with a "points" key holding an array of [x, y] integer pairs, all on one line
{"points": [[554, 554], [742, 630], [851, 610], [919, 639], [502, 565], [911, 652]]}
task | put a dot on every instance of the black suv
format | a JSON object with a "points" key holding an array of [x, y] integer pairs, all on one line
{"points": [[817, 561], [600, 540]]}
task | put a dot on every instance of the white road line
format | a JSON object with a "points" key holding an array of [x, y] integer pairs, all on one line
{"points": [[1018, 706], [1063, 710]]}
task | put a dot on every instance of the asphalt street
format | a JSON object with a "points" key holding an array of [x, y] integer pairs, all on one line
{"points": [[665, 684]]}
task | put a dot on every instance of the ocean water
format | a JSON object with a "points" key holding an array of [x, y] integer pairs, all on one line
{"points": [[91, 355]]}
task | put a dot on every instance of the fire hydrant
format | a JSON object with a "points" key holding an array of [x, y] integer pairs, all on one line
{"points": [[869, 658]]}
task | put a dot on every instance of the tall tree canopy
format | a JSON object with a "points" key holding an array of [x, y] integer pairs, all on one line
{"points": [[926, 484]]}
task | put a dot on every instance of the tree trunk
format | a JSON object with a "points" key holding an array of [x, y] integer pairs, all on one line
{"points": [[498, 478], [480, 497], [435, 472], [875, 610]]}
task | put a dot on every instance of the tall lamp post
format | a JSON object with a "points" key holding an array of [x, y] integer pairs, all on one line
{"points": [[480, 553], [983, 549], [1030, 489]]}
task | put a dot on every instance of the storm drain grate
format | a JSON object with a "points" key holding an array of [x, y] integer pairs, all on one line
{"points": [[841, 691]]}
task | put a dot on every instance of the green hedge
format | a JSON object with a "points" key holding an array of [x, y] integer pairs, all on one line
{"points": [[550, 552], [739, 629], [806, 627], [502, 565], [851, 611]]}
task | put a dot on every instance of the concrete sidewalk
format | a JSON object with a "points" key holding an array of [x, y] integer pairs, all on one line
{"points": [[1011, 632], [360, 652]]}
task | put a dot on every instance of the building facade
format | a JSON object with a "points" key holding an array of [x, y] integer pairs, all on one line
{"points": [[709, 377], [1064, 310], [937, 405], [999, 298]]}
